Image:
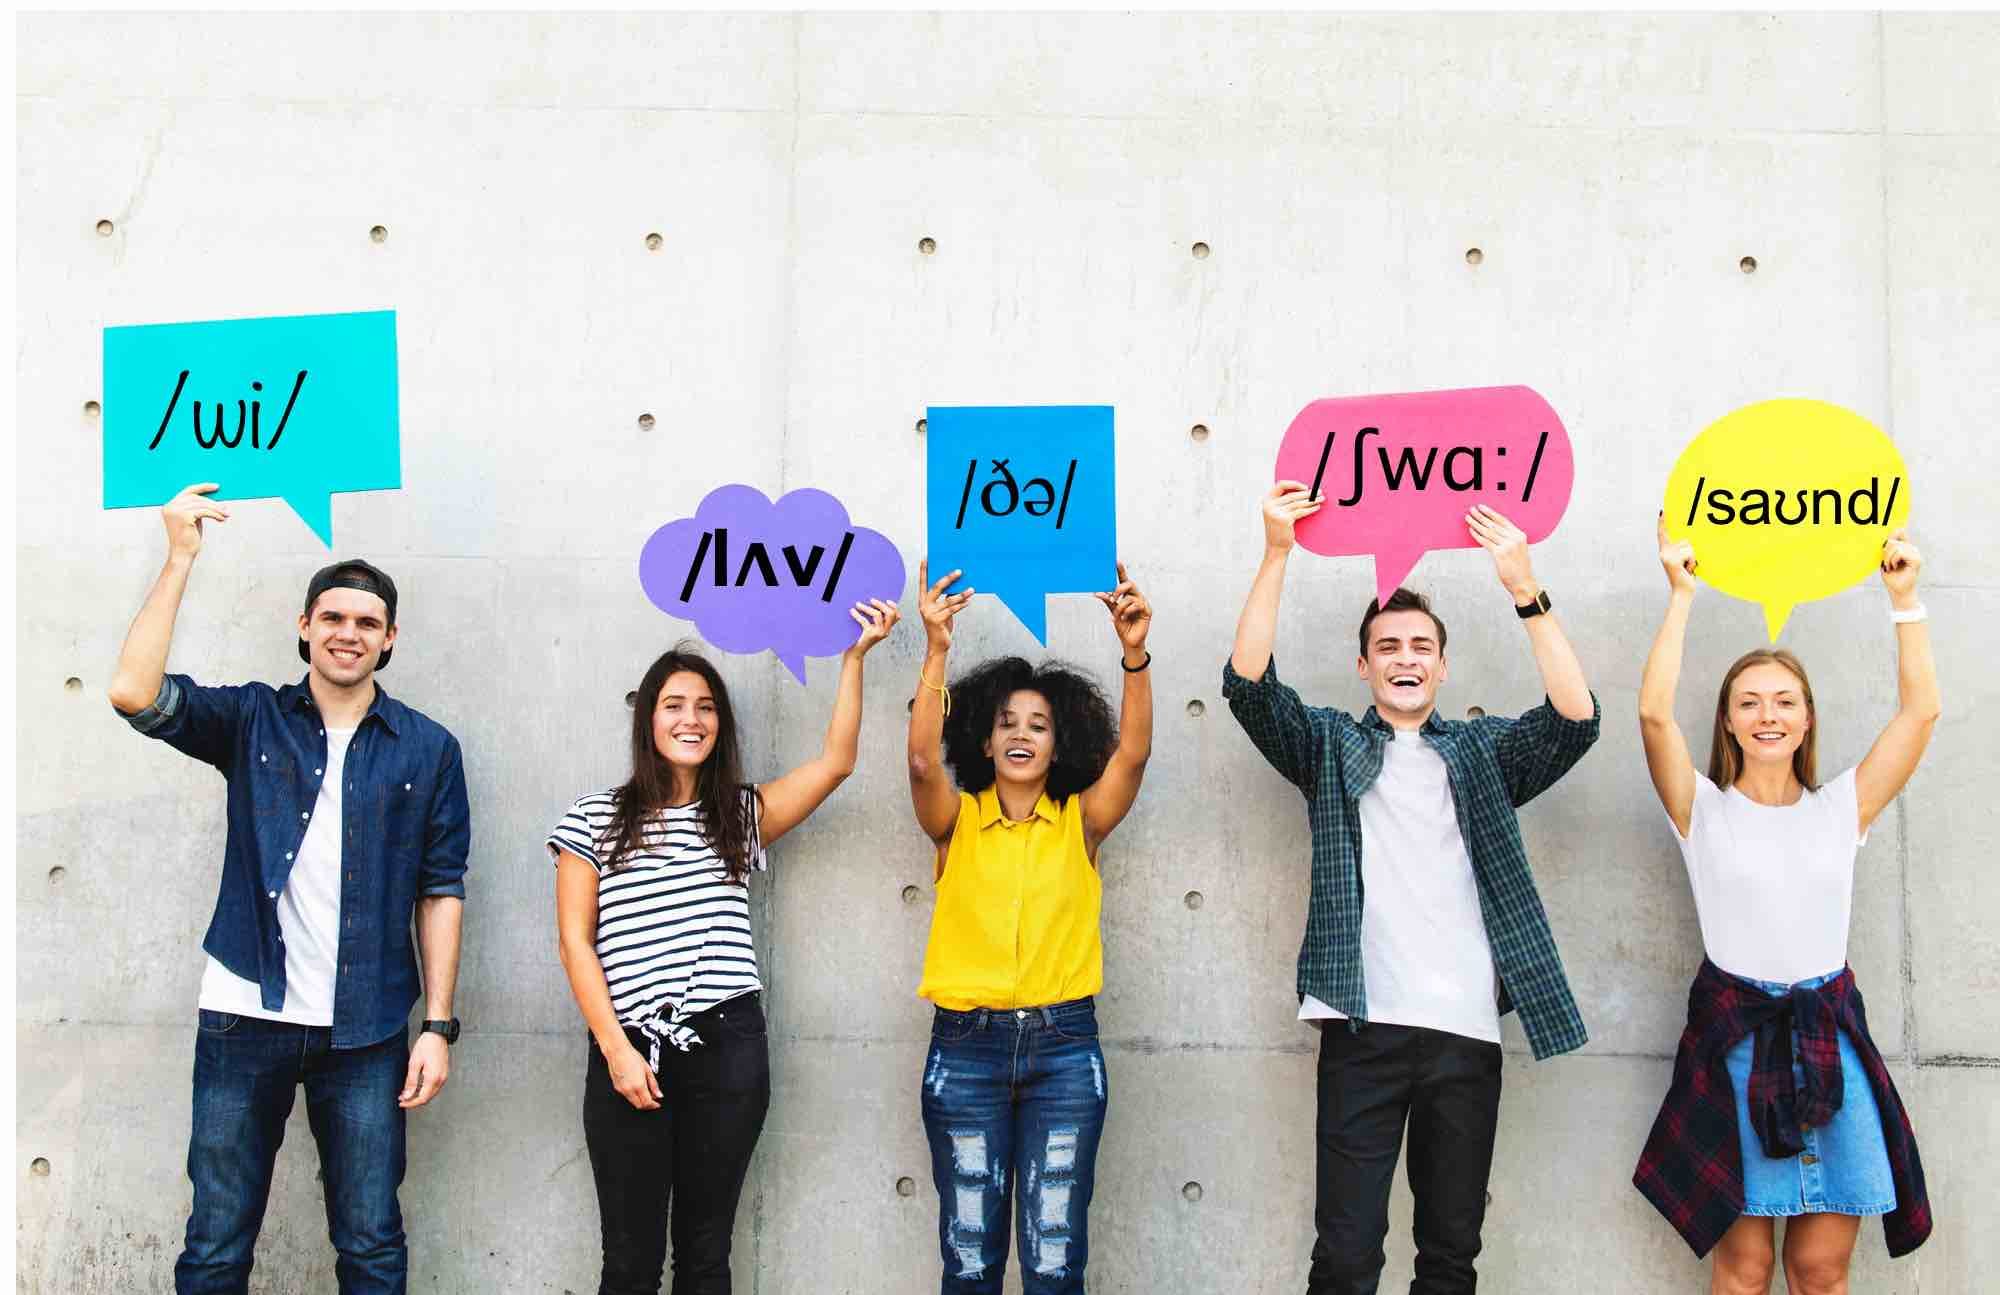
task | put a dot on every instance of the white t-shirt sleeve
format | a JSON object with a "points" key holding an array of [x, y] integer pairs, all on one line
{"points": [[573, 833], [1706, 796], [1844, 800]]}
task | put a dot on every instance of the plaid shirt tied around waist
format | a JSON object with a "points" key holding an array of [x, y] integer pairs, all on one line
{"points": [[1495, 765], [1692, 1167]]}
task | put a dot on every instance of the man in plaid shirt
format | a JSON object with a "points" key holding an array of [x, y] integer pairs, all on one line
{"points": [[1416, 812]]}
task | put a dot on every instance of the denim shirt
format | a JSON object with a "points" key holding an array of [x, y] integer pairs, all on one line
{"points": [[1495, 765], [405, 832]]}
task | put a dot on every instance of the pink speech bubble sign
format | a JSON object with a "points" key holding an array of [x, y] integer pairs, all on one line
{"points": [[1421, 459]]}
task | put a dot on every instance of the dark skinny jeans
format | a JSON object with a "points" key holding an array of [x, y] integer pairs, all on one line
{"points": [[688, 1157]]}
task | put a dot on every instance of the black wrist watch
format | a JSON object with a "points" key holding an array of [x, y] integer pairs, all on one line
{"points": [[447, 1028], [1535, 608]]}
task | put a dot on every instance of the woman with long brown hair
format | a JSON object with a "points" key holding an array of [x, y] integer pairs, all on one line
{"points": [[1780, 1105], [653, 915]]}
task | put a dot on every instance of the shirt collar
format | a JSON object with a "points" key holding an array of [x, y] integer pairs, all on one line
{"points": [[989, 808], [293, 696], [1433, 723]]}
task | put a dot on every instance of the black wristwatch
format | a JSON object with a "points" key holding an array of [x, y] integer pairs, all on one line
{"points": [[1535, 608], [447, 1028]]}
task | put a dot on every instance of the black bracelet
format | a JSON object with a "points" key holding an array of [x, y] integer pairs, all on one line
{"points": [[1135, 669]]}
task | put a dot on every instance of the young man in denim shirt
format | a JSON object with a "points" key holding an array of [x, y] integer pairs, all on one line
{"points": [[1415, 814], [347, 816]]}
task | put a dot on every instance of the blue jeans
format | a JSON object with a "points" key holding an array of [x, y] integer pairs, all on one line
{"points": [[246, 1074], [1014, 1099]]}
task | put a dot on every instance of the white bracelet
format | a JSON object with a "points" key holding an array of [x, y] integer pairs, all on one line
{"points": [[1901, 616]]}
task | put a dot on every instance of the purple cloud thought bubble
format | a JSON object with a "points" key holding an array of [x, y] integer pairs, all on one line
{"points": [[753, 575]]}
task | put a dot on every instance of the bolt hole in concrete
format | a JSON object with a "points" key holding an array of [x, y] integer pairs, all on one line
{"points": [[39, 1167], [1192, 899], [1191, 1192], [632, 698], [1200, 251], [72, 685], [56, 874], [1474, 712], [1199, 431], [92, 409], [379, 233], [1473, 256], [1195, 709], [653, 242], [1748, 265], [645, 422], [906, 1187], [910, 894], [927, 245], [104, 228], [923, 425]]}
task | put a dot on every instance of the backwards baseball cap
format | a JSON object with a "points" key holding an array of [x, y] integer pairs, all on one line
{"points": [[352, 574]]}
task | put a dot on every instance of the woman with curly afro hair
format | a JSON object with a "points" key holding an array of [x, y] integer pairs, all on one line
{"points": [[1014, 1087]]}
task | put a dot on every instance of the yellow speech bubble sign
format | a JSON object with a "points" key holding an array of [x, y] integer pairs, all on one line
{"points": [[1786, 501]]}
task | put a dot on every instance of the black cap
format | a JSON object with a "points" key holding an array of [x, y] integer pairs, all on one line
{"points": [[352, 574]]}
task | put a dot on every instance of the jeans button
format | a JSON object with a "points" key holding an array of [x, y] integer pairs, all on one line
{"points": [[1020, 1016]]}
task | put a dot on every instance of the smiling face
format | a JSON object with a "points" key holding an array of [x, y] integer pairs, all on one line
{"points": [[345, 632], [684, 721], [1022, 744], [1404, 666], [1768, 714]]}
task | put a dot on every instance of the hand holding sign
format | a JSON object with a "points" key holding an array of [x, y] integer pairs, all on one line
{"points": [[1023, 499], [1395, 473], [1131, 614], [1787, 501], [185, 513], [794, 577], [295, 407]]}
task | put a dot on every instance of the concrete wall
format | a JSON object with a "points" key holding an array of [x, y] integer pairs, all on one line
{"points": [[787, 332]]}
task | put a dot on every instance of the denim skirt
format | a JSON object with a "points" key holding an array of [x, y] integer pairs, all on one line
{"points": [[1844, 1168]]}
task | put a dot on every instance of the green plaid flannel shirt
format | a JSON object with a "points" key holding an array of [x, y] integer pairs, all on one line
{"points": [[1495, 766]]}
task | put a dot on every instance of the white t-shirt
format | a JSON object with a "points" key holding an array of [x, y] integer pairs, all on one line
{"points": [[308, 917], [1773, 884], [1425, 958]]}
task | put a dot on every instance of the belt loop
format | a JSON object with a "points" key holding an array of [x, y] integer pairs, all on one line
{"points": [[1048, 1018], [984, 1016]]}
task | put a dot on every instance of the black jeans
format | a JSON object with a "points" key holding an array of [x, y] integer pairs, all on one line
{"points": [[692, 1152], [1371, 1080]]}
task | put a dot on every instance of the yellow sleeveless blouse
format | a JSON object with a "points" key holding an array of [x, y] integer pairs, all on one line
{"points": [[1016, 922]]}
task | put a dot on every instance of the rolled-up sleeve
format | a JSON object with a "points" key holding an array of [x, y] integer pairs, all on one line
{"points": [[448, 836], [196, 721], [1276, 720], [1537, 748]]}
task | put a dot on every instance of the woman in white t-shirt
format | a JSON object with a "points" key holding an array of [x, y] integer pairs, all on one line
{"points": [[653, 918], [1770, 856]]}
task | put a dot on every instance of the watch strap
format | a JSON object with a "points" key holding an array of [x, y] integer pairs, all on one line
{"points": [[1529, 610]]}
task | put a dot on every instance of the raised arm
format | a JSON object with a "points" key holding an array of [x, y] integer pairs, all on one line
{"points": [[1107, 800], [789, 799], [142, 662], [1890, 762], [1562, 673], [1257, 628], [1667, 758], [931, 791]]}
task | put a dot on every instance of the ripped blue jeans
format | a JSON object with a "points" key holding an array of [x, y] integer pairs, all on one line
{"points": [[1014, 1107]]}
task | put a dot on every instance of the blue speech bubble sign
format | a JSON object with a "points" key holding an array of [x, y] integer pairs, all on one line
{"points": [[1024, 500], [293, 407]]}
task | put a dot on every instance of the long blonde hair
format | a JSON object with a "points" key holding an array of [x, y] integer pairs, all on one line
{"points": [[1725, 757]]}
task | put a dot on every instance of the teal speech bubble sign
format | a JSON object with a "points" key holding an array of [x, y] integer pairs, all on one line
{"points": [[291, 407]]}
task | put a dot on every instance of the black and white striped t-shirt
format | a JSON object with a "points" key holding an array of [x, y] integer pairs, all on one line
{"points": [[673, 933]]}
